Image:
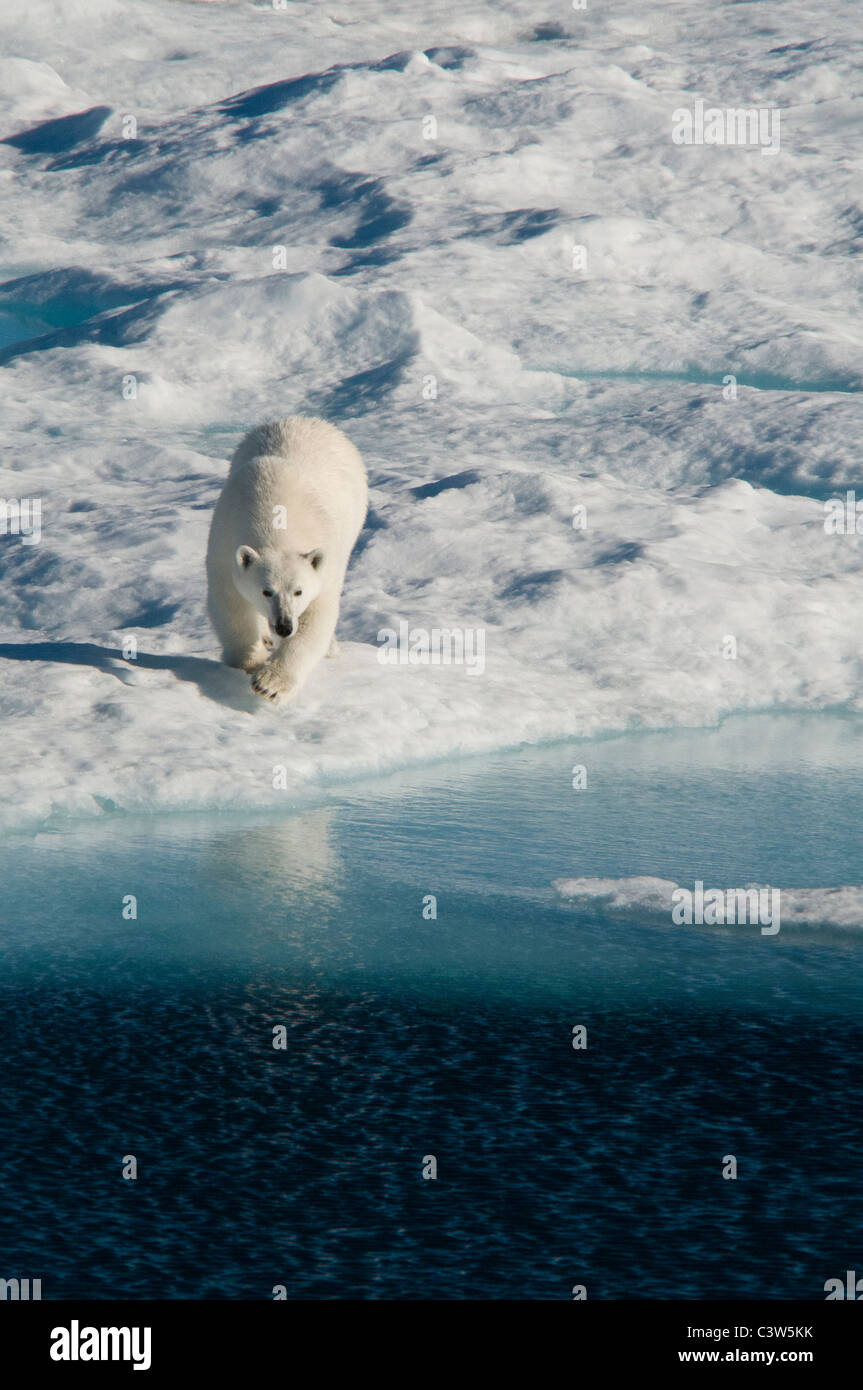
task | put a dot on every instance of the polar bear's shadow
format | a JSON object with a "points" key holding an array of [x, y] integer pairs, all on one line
{"points": [[214, 680]]}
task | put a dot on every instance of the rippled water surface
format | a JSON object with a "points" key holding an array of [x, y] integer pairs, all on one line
{"points": [[408, 1037]]}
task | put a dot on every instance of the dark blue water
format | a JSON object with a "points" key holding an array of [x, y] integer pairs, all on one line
{"points": [[451, 1037]]}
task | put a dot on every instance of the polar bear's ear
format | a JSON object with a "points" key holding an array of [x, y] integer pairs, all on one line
{"points": [[315, 558], [244, 556]]}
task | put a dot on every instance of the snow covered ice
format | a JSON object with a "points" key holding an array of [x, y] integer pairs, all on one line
{"points": [[644, 896], [466, 236]]}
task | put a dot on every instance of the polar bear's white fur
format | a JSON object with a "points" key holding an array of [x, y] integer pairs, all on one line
{"points": [[281, 536]]}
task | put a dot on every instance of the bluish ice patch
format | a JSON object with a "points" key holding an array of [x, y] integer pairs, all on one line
{"points": [[14, 329], [62, 133], [692, 375], [60, 308]]}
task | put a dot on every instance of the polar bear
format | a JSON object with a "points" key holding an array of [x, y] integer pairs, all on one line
{"points": [[281, 536]]}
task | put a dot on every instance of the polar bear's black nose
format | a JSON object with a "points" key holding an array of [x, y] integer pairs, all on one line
{"points": [[284, 628]]}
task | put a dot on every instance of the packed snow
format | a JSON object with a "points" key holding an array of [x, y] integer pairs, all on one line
{"points": [[646, 897], [464, 234]]}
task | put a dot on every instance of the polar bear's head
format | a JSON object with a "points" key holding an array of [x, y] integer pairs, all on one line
{"points": [[279, 584]]}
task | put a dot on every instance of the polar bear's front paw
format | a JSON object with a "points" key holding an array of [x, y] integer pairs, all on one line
{"points": [[249, 659], [273, 683]]}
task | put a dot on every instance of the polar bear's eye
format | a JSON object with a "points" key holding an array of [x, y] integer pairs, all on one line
{"points": [[267, 593], [298, 593]]}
